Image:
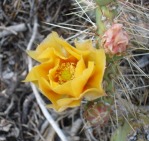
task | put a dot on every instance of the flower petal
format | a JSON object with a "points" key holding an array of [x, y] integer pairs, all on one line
{"points": [[46, 90], [75, 87], [48, 42], [80, 67], [61, 108], [93, 93], [68, 101], [79, 83], [39, 71], [52, 71], [95, 80], [62, 89], [84, 46], [70, 49]]}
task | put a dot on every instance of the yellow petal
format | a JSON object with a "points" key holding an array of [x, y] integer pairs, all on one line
{"points": [[61, 48], [65, 88], [46, 90], [84, 46], [52, 71], [58, 102], [80, 67], [39, 71], [100, 61], [32, 54], [70, 49], [73, 103], [49, 41], [44, 49], [93, 93], [67, 101], [46, 55], [79, 83], [75, 87]]}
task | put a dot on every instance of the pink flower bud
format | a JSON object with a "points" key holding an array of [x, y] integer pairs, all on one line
{"points": [[115, 40]]}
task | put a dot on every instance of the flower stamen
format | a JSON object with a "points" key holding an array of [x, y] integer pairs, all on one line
{"points": [[65, 72]]}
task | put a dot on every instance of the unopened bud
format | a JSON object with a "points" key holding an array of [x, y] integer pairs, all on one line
{"points": [[115, 40], [97, 113]]}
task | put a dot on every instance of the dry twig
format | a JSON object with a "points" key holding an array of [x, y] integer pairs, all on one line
{"points": [[12, 30]]}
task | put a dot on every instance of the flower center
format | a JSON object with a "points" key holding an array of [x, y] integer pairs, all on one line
{"points": [[65, 72]]}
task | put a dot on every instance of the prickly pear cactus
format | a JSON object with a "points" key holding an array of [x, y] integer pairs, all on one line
{"points": [[126, 92]]}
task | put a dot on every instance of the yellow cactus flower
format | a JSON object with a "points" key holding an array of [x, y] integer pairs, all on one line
{"points": [[66, 74]]}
